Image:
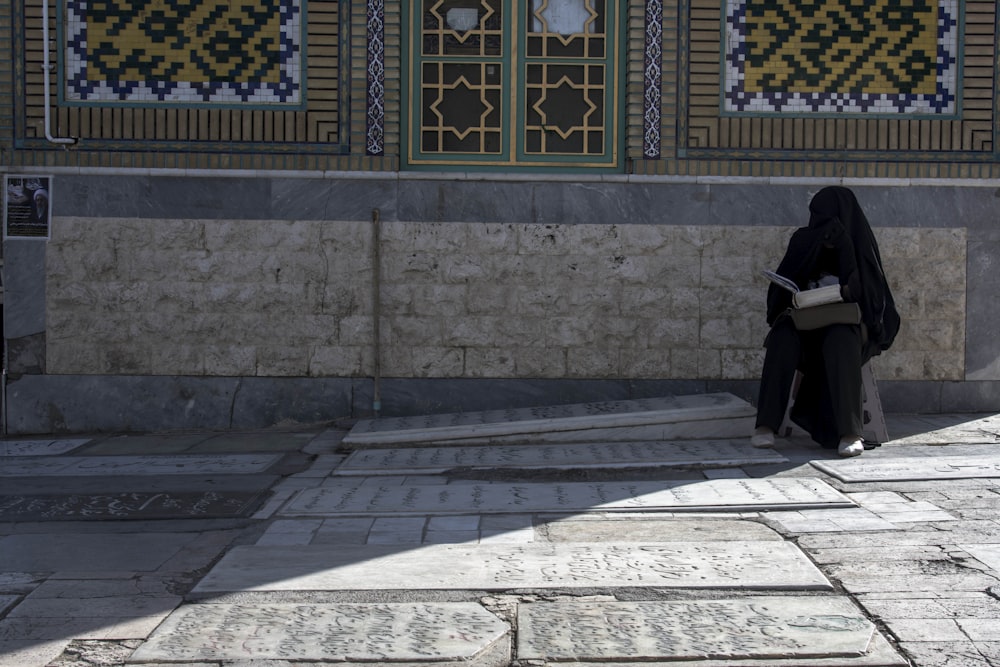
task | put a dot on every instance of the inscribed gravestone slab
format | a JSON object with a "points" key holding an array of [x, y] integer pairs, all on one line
{"points": [[128, 505], [912, 468], [495, 566], [715, 494], [604, 455], [755, 628], [39, 447], [552, 418], [181, 464], [323, 632]]}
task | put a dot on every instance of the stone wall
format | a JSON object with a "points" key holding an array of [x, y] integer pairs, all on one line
{"points": [[278, 298], [248, 302]]}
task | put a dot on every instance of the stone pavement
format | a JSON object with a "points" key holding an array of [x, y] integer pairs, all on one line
{"points": [[292, 548]]}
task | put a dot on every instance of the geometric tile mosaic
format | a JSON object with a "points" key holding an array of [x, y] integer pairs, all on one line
{"points": [[375, 125], [842, 56], [652, 79], [191, 52]]}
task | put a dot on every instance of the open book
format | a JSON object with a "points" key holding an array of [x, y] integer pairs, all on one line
{"points": [[809, 297]]}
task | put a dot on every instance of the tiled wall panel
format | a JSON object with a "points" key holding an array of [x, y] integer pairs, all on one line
{"points": [[682, 116]]}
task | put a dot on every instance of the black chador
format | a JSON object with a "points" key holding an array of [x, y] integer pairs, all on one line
{"points": [[836, 246]]}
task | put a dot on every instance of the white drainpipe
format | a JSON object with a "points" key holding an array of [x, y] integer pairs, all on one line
{"points": [[48, 68]]}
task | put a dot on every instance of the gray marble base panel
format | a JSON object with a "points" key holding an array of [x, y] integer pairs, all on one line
{"points": [[376, 499], [431, 633], [754, 628], [912, 468], [766, 565], [490, 424], [426, 460]]}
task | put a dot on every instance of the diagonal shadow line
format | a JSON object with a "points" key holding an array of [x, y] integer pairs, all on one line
{"points": [[180, 537]]}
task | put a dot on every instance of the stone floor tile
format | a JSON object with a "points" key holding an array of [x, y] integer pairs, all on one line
{"points": [[724, 473], [505, 521], [869, 498], [869, 583], [337, 537], [93, 607], [19, 582], [522, 536], [979, 605], [980, 629], [199, 553], [864, 524], [48, 628], [809, 526], [294, 525], [946, 654], [91, 551], [991, 650], [453, 523], [147, 586], [122, 628], [29, 652], [396, 537], [278, 539], [926, 630], [903, 609], [401, 524], [451, 537], [910, 516]]}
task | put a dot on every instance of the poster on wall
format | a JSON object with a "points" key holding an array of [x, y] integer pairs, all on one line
{"points": [[27, 213]]}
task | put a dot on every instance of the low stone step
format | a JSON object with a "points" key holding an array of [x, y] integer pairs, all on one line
{"points": [[720, 495], [702, 416], [569, 456], [750, 565], [438, 634]]}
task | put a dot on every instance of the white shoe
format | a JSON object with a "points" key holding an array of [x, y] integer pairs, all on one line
{"points": [[762, 438], [851, 446]]}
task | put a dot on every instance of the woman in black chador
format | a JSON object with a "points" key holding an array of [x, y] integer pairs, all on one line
{"points": [[836, 247]]}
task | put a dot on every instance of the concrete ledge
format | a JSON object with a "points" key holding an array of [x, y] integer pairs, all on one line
{"points": [[37, 404]]}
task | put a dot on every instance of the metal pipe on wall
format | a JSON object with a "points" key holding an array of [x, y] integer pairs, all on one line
{"points": [[47, 66], [376, 308]]}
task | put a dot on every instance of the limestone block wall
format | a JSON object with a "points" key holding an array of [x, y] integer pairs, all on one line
{"points": [[294, 298]]}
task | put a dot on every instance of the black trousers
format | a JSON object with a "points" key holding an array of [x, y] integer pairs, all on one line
{"points": [[830, 360]]}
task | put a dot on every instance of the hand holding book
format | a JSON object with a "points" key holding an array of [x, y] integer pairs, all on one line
{"points": [[807, 298]]}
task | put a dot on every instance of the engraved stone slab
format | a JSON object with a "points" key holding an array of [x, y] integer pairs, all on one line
{"points": [[502, 566], [374, 499], [425, 460], [577, 417], [754, 628], [39, 447], [372, 633], [700, 429], [204, 504], [911, 468], [183, 464]]}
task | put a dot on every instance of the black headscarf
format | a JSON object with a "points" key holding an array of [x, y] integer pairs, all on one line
{"points": [[838, 225]]}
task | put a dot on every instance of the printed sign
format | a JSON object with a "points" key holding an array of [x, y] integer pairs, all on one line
{"points": [[27, 207]]}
